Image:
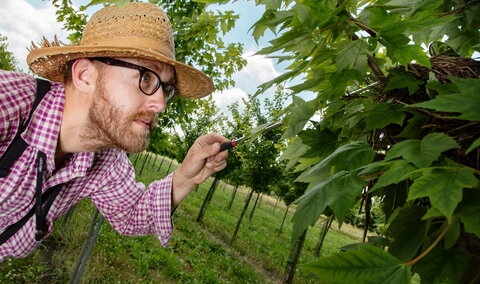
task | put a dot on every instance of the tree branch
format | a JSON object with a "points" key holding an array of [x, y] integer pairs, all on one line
{"points": [[369, 30], [432, 246], [372, 63], [460, 9]]}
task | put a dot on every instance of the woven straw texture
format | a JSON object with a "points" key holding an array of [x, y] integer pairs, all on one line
{"points": [[138, 30]]}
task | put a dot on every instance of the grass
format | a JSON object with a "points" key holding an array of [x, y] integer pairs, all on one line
{"points": [[197, 253]]}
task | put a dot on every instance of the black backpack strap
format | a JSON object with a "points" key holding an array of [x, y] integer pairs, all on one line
{"points": [[16, 148], [41, 208], [44, 201]]}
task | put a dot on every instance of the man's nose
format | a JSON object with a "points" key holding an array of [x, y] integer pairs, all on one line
{"points": [[156, 102]]}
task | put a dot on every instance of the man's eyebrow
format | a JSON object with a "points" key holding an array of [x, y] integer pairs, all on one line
{"points": [[160, 66]]}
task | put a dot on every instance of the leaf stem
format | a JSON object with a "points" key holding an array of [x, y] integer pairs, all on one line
{"points": [[460, 9], [421, 110], [372, 175], [432, 246]]}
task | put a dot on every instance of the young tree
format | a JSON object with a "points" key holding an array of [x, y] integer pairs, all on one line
{"points": [[259, 154], [7, 60]]}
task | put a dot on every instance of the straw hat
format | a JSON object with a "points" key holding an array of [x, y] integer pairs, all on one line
{"points": [[138, 30]]}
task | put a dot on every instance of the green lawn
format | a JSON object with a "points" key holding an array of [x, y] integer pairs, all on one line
{"points": [[197, 253]]}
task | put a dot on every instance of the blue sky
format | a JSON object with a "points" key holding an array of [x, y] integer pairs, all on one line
{"points": [[25, 20]]}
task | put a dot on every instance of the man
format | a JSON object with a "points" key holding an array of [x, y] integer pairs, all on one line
{"points": [[104, 99]]}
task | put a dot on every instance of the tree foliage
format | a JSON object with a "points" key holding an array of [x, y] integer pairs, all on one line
{"points": [[7, 61], [396, 122]]}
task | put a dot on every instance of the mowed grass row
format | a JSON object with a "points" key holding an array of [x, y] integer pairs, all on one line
{"points": [[197, 253]]}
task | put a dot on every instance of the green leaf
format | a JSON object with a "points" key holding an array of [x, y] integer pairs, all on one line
{"points": [[285, 76], [443, 187], [338, 192], [452, 234], [469, 211], [442, 266], [293, 152], [408, 53], [366, 265], [395, 196], [321, 142], [403, 79], [396, 171], [346, 157], [408, 232], [342, 194], [413, 129], [302, 12], [257, 131], [120, 3], [383, 114], [309, 207], [423, 153], [300, 113], [432, 212], [466, 101], [441, 88], [474, 145], [352, 55]]}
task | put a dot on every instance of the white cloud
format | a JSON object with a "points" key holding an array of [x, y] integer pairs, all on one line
{"points": [[259, 69], [23, 23], [228, 97]]}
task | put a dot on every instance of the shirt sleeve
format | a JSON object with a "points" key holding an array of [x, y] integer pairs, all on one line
{"points": [[130, 208], [16, 98]]}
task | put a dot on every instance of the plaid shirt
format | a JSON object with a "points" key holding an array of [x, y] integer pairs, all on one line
{"points": [[107, 178]]}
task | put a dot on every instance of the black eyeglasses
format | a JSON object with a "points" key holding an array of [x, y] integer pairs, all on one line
{"points": [[149, 82]]}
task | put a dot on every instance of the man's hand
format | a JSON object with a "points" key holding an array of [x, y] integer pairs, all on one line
{"points": [[202, 160]]}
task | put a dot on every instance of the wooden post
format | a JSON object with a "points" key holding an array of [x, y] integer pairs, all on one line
{"points": [[241, 217], [283, 221], [233, 197], [144, 162], [207, 200], [323, 234], [292, 261], [254, 206]]}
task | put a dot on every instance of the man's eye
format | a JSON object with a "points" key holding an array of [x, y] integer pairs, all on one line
{"points": [[146, 77]]}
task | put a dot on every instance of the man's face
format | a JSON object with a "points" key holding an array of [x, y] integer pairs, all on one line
{"points": [[121, 115]]}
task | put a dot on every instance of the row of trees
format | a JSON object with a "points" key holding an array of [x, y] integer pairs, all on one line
{"points": [[254, 163]]}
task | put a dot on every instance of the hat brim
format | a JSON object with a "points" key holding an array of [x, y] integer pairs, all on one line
{"points": [[50, 62]]}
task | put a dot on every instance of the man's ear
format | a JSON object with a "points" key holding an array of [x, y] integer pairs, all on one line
{"points": [[84, 75]]}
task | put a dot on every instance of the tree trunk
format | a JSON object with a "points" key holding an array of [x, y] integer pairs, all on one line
{"points": [[368, 205], [207, 200], [292, 261], [283, 221], [161, 163], [276, 203], [136, 158], [169, 166], [143, 166], [253, 209], [324, 232], [233, 198], [154, 161], [241, 216], [149, 159]]}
